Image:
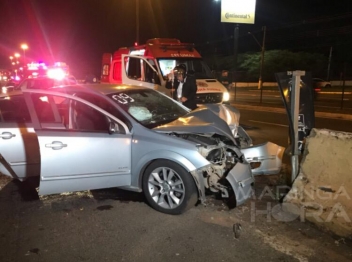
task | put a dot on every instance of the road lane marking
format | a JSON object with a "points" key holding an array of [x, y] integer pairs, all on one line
{"points": [[337, 107], [268, 123], [335, 93]]}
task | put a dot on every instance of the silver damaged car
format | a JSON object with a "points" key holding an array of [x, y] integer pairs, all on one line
{"points": [[85, 137]]}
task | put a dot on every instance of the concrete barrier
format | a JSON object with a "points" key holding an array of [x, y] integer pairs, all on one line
{"points": [[322, 191]]}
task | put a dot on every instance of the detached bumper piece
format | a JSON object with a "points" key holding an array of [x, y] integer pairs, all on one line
{"points": [[265, 159], [241, 180]]}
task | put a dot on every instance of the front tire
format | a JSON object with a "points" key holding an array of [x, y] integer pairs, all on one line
{"points": [[169, 188]]}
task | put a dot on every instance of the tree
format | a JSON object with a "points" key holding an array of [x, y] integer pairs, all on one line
{"points": [[274, 61], [283, 60]]}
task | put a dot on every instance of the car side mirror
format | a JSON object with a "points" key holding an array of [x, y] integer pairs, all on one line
{"points": [[113, 128]]}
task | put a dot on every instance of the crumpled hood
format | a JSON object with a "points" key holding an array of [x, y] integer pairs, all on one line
{"points": [[230, 114], [202, 120]]}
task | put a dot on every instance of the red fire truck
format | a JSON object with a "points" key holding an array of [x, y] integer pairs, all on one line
{"points": [[148, 64]]}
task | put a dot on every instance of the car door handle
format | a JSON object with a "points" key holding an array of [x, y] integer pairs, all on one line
{"points": [[56, 145], [7, 135]]}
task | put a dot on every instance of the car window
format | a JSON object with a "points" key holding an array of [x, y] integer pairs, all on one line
{"points": [[56, 112], [14, 109], [105, 105]]}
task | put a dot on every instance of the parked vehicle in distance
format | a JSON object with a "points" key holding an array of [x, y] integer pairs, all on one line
{"points": [[320, 83], [42, 82], [93, 136]]}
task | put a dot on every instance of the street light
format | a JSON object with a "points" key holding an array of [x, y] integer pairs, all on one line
{"points": [[11, 58], [262, 47], [17, 55], [24, 48]]}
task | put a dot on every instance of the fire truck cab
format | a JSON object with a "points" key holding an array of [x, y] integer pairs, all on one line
{"points": [[148, 65]]}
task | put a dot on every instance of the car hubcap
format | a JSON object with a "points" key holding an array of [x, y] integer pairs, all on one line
{"points": [[166, 188]]}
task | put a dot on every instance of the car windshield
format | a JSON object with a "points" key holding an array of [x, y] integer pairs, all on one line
{"points": [[149, 107], [196, 65]]}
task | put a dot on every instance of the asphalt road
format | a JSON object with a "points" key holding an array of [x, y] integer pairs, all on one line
{"points": [[265, 125], [116, 225]]}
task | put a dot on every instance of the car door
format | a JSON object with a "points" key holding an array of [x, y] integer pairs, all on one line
{"points": [[19, 150], [139, 71], [82, 146]]}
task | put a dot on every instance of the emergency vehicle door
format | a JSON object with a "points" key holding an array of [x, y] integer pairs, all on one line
{"points": [[139, 71]]}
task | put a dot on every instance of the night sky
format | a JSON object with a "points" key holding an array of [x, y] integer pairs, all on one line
{"points": [[78, 32]]}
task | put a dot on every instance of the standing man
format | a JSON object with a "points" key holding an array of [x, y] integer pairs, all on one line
{"points": [[225, 79], [183, 86]]}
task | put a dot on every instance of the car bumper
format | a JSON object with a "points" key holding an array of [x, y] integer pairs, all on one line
{"points": [[241, 180], [266, 158]]}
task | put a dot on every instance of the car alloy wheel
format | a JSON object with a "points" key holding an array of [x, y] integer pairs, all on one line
{"points": [[168, 187]]}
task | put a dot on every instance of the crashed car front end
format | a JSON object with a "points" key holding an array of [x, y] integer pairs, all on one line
{"points": [[228, 175], [233, 164]]}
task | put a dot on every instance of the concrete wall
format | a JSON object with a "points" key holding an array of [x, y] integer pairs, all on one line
{"points": [[322, 192]]}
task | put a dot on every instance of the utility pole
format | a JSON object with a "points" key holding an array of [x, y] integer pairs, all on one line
{"points": [[235, 54], [262, 65], [261, 68], [329, 65], [137, 22], [235, 45]]}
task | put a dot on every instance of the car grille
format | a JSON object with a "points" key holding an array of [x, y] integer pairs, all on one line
{"points": [[209, 98]]}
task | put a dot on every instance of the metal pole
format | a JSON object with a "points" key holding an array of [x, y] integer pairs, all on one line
{"points": [[24, 57], [262, 65], [235, 80], [137, 21], [235, 51], [235, 46], [329, 65], [294, 101], [343, 85]]}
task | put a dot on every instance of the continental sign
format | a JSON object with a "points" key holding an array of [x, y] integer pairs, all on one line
{"points": [[238, 11]]}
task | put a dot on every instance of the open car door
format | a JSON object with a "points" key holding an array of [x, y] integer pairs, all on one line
{"points": [[82, 147], [140, 71]]}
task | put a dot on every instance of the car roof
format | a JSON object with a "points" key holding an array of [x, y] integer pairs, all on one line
{"points": [[104, 89]]}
